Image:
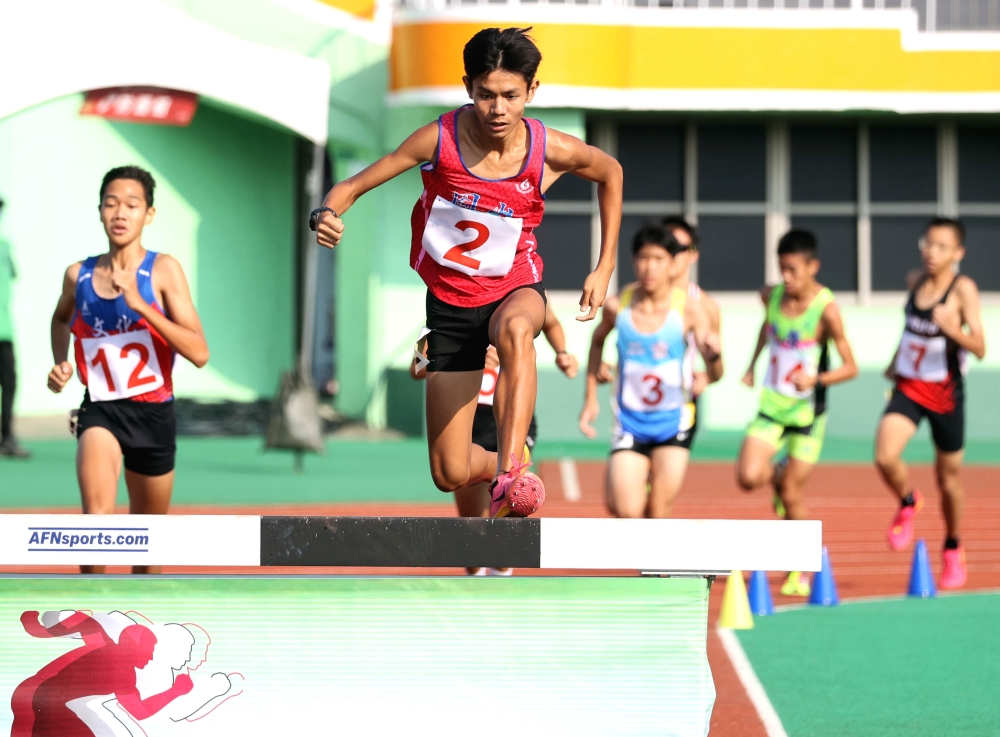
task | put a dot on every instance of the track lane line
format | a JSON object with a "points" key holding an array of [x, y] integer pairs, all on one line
{"points": [[570, 480], [751, 684]]}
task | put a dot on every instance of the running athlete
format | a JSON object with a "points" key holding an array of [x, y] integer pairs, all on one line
{"points": [[485, 169], [943, 324], [695, 382], [474, 501], [130, 311], [802, 319], [649, 445]]}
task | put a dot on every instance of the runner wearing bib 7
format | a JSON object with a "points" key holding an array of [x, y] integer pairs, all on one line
{"points": [[649, 448], [942, 326], [485, 169], [130, 313], [801, 320]]}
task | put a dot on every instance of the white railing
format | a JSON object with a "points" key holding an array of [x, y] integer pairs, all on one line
{"points": [[935, 15]]}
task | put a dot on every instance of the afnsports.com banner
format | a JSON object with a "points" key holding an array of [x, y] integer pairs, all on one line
{"points": [[150, 656]]}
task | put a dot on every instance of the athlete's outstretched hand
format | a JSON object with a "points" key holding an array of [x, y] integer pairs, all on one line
{"points": [[590, 412], [748, 378], [567, 363], [59, 376], [595, 291], [329, 230]]}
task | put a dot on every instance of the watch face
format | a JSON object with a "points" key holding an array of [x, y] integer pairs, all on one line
{"points": [[312, 219]]}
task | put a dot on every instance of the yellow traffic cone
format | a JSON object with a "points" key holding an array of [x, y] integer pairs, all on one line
{"points": [[735, 613]]}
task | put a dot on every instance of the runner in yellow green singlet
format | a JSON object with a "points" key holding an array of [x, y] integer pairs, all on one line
{"points": [[802, 319]]}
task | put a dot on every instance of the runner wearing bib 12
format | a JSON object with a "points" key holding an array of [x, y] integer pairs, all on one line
{"points": [[130, 313], [801, 320], [485, 168], [943, 325]]}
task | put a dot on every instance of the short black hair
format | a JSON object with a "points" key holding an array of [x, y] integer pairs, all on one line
{"points": [[654, 234], [511, 49], [797, 240], [954, 223], [131, 172], [676, 222]]}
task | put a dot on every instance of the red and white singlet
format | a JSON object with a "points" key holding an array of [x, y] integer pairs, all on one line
{"points": [[472, 237], [929, 365]]}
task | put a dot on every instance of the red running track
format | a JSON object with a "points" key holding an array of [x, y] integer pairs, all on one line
{"points": [[850, 500]]}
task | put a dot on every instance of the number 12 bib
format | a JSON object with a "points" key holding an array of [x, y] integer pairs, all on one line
{"points": [[472, 242], [121, 366]]}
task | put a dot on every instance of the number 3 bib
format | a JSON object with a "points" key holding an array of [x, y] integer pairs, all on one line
{"points": [[648, 388], [475, 243], [121, 366]]}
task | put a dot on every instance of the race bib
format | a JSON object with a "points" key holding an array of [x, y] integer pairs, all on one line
{"points": [[652, 388], [489, 386], [923, 358], [121, 366], [475, 243], [784, 365]]}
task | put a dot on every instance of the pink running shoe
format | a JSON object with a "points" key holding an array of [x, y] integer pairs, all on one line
{"points": [[954, 573], [900, 532], [516, 492]]}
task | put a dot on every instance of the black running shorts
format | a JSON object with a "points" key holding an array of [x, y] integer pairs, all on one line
{"points": [[146, 431], [459, 336], [947, 430], [484, 429]]}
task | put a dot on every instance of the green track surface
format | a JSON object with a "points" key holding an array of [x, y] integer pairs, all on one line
{"points": [[900, 667], [238, 471]]}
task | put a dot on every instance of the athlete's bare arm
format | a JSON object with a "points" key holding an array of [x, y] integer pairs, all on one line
{"points": [[748, 377], [598, 372], [62, 370], [831, 328], [699, 322], [421, 146], [182, 329], [566, 154], [556, 337], [962, 309]]}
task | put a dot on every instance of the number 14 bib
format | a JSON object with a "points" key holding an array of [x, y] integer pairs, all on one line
{"points": [[121, 366], [475, 243]]}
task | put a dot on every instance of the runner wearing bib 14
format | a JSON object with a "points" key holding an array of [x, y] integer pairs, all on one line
{"points": [[801, 320], [942, 326], [485, 169], [130, 313]]}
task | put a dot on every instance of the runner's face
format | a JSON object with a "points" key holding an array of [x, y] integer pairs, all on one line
{"points": [[798, 272], [940, 250], [653, 266], [124, 212], [499, 99]]}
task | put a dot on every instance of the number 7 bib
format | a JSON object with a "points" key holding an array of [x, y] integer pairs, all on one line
{"points": [[475, 243], [121, 366]]}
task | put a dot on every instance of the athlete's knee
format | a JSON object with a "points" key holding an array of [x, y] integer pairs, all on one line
{"points": [[515, 332], [886, 461], [449, 477], [747, 478]]}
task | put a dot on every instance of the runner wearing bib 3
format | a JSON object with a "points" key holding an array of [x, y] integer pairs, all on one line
{"points": [[801, 319], [130, 312], [943, 325], [485, 169], [648, 437]]}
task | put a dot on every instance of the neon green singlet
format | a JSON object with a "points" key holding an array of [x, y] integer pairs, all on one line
{"points": [[793, 345]]}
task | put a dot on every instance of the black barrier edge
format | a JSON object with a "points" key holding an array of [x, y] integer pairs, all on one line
{"points": [[400, 542]]}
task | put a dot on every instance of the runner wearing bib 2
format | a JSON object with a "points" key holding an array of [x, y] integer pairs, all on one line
{"points": [[648, 437], [943, 325], [485, 169], [130, 312], [801, 319]]}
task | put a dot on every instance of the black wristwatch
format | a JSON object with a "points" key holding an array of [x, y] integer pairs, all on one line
{"points": [[314, 216]]}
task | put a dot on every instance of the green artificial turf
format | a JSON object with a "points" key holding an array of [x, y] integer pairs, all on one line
{"points": [[883, 668]]}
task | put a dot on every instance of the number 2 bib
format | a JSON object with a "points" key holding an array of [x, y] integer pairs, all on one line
{"points": [[475, 243], [785, 364], [121, 366], [923, 358], [648, 388]]}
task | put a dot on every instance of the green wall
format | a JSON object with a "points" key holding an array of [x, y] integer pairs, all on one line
{"points": [[225, 202]]}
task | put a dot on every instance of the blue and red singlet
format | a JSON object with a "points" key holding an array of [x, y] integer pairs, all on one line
{"points": [[118, 354], [472, 237]]}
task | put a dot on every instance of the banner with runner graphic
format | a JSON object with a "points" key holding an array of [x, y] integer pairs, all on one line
{"points": [[134, 657]]}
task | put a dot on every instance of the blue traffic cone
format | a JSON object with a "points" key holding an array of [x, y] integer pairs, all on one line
{"points": [[921, 578], [760, 595], [824, 588]]}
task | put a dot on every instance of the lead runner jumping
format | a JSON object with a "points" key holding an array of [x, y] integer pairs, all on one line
{"points": [[485, 169]]}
